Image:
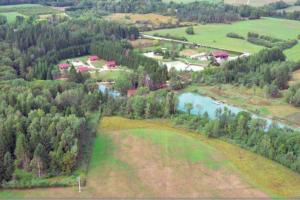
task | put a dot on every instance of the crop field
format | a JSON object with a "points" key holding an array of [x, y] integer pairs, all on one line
{"points": [[11, 16], [148, 159], [152, 19], [256, 2], [215, 34], [235, 2], [29, 9]]}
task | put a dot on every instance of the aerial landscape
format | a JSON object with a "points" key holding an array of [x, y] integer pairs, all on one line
{"points": [[158, 99]]}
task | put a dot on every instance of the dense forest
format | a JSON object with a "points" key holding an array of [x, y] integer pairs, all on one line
{"points": [[266, 68], [44, 127]]}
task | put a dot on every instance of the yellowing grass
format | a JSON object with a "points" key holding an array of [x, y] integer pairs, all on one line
{"points": [[266, 174]]}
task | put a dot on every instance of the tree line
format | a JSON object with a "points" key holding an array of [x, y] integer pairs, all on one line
{"points": [[44, 127]]}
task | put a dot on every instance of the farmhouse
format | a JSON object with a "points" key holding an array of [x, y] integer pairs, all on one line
{"points": [[64, 66], [111, 64], [93, 58], [220, 56]]}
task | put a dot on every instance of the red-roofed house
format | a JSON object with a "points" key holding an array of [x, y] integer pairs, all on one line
{"points": [[131, 92], [64, 66], [220, 54], [111, 64], [93, 58], [83, 69]]}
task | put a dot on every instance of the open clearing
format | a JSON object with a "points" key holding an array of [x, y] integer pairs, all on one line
{"points": [[29, 9], [255, 2], [215, 34], [138, 158], [11, 16], [152, 20]]}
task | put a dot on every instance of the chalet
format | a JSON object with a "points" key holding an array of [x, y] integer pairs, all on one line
{"points": [[64, 66], [93, 58], [111, 64], [82, 69], [220, 55]]}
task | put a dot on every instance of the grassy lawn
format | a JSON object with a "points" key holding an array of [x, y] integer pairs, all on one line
{"points": [[150, 158], [29, 9], [109, 75], [215, 34], [252, 99], [11, 16]]}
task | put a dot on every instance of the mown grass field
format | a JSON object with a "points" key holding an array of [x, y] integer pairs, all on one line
{"points": [[215, 34], [11, 16], [139, 158], [29, 9], [255, 2], [155, 20]]}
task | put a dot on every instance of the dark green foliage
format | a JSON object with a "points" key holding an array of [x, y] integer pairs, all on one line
{"points": [[42, 125], [293, 95], [279, 144], [266, 67], [123, 54], [270, 42], [235, 35], [189, 30]]}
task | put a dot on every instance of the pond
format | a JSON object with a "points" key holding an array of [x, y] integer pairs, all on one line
{"points": [[202, 104], [102, 88]]}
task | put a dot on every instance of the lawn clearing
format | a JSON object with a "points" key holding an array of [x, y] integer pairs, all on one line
{"points": [[150, 20], [215, 34], [255, 2], [109, 75], [29, 9], [151, 159], [11, 16]]}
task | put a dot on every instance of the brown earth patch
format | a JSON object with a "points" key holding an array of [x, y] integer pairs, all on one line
{"points": [[170, 178]]}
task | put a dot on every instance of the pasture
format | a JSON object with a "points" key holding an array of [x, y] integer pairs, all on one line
{"points": [[11, 16], [150, 20], [148, 159], [214, 35], [255, 2], [29, 9]]}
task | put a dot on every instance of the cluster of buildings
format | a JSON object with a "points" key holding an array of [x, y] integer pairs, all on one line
{"points": [[82, 68]]}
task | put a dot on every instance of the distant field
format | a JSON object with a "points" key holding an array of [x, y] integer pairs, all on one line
{"points": [[215, 34], [235, 2], [150, 159], [292, 9], [29, 9], [255, 2], [11, 16], [151, 19]]}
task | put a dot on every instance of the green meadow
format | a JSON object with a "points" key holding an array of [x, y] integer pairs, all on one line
{"points": [[152, 159], [29, 9], [215, 34], [11, 16]]}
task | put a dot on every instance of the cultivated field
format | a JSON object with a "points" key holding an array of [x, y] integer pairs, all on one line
{"points": [[150, 20], [136, 158], [255, 2], [11, 11], [215, 34], [235, 2]]}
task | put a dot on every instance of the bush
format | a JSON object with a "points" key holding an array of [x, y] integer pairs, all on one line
{"points": [[235, 35], [190, 30]]}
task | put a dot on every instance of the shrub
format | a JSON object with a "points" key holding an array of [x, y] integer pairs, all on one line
{"points": [[235, 35]]}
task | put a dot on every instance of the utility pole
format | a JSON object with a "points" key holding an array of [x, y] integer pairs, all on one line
{"points": [[79, 185]]}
